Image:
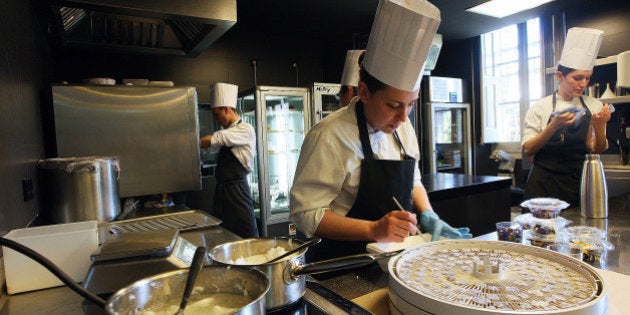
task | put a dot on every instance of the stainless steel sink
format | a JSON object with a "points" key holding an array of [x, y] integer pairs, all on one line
{"points": [[617, 175]]}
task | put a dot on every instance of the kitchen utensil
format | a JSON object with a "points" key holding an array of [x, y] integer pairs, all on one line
{"points": [[287, 276], [193, 272], [481, 277], [79, 188], [593, 189], [308, 243]]}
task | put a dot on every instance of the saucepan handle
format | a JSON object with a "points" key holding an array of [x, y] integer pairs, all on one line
{"points": [[340, 263]]}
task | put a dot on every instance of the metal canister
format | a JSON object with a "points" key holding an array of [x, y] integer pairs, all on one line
{"points": [[79, 189], [593, 189]]}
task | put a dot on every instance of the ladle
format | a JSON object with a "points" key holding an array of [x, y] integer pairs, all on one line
{"points": [[308, 243], [193, 271]]}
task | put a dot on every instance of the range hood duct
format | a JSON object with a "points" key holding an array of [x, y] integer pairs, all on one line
{"points": [[165, 27]]}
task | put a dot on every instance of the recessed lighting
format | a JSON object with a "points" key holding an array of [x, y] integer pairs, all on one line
{"points": [[503, 8]]}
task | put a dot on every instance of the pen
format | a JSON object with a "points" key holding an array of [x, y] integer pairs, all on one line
{"points": [[401, 208], [398, 203]]}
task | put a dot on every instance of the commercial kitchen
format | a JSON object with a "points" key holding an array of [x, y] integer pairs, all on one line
{"points": [[104, 103]]}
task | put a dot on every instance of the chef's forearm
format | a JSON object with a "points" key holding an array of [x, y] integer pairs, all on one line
{"points": [[335, 226], [420, 199]]}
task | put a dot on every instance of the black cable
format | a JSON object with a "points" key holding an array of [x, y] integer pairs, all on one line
{"points": [[54, 269]]}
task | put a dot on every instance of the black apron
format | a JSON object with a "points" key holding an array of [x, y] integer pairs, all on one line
{"points": [[557, 169], [380, 180], [233, 202]]}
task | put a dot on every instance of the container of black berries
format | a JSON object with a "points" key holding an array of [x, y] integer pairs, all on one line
{"points": [[509, 231]]}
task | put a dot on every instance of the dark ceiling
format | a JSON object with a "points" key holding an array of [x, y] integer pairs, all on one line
{"points": [[330, 17]]}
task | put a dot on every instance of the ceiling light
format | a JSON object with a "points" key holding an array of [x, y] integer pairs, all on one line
{"points": [[503, 8]]}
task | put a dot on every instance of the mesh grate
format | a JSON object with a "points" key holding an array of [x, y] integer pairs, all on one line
{"points": [[183, 221], [496, 279]]}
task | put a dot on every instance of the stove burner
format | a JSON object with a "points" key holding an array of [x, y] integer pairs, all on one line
{"points": [[298, 307]]}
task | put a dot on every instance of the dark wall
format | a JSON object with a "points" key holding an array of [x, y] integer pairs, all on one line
{"points": [[24, 78], [229, 59]]}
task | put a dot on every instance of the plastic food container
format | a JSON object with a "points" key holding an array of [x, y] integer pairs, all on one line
{"points": [[545, 208], [509, 231], [547, 229], [67, 245], [590, 241]]}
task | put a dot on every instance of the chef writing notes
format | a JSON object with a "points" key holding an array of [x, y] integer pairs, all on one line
{"points": [[358, 158], [233, 202], [561, 128]]}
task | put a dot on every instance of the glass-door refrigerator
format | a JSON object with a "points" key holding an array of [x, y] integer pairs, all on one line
{"points": [[446, 127], [324, 99], [281, 117]]}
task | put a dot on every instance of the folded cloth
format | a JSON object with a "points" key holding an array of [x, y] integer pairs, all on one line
{"points": [[578, 111]]}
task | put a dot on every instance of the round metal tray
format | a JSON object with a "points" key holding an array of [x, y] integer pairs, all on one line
{"points": [[478, 277]]}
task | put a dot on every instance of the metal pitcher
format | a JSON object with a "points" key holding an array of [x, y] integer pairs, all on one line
{"points": [[593, 189]]}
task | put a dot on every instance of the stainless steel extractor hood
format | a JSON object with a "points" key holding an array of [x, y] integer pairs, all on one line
{"points": [[166, 27]]}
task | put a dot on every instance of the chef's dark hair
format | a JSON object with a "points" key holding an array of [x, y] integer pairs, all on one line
{"points": [[564, 70]]}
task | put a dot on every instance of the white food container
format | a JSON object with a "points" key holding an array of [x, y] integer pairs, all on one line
{"points": [[67, 245]]}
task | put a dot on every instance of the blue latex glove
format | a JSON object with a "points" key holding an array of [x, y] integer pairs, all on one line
{"points": [[431, 223]]}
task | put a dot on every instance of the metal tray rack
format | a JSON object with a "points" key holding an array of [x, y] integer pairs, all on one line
{"points": [[183, 221]]}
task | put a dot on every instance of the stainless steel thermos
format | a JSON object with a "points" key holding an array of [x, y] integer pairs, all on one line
{"points": [[593, 189]]}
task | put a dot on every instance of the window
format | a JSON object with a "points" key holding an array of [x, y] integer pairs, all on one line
{"points": [[511, 78]]}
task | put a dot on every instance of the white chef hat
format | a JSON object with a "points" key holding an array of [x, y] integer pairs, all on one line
{"points": [[399, 42], [350, 75], [581, 47], [223, 95]]}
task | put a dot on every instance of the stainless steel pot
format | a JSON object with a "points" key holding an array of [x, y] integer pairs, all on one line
{"points": [[288, 275], [163, 292], [79, 189]]}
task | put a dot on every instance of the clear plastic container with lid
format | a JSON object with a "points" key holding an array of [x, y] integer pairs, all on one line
{"points": [[545, 208]]}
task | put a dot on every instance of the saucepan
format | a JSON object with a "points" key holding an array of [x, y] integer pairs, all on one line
{"points": [[244, 289], [287, 276]]}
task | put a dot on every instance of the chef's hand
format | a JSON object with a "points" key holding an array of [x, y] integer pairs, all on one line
{"points": [[600, 119], [431, 223], [563, 120], [395, 226], [205, 141]]}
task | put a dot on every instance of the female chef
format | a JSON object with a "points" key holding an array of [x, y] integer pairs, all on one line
{"points": [[561, 128], [358, 159]]}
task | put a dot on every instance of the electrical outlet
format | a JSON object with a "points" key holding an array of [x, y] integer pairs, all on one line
{"points": [[27, 189]]}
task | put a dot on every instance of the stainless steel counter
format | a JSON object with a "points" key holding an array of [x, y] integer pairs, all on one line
{"points": [[356, 283]]}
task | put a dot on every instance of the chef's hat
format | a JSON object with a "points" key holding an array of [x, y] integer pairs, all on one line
{"points": [[581, 47], [350, 75], [399, 42], [223, 95]]}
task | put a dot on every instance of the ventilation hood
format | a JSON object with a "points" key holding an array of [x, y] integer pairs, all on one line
{"points": [[165, 27]]}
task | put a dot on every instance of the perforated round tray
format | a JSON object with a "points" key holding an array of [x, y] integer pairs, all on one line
{"points": [[475, 277]]}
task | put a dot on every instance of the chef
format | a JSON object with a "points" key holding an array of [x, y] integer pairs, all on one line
{"points": [[233, 202], [561, 128], [350, 76], [357, 160]]}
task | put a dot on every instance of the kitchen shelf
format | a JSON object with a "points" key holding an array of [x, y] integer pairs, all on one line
{"points": [[598, 62], [616, 99]]}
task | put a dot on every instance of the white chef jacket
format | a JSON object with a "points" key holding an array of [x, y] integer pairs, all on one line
{"points": [[329, 168], [539, 113], [241, 138]]}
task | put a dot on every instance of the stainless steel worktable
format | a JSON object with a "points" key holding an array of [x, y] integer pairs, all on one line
{"points": [[62, 300]]}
